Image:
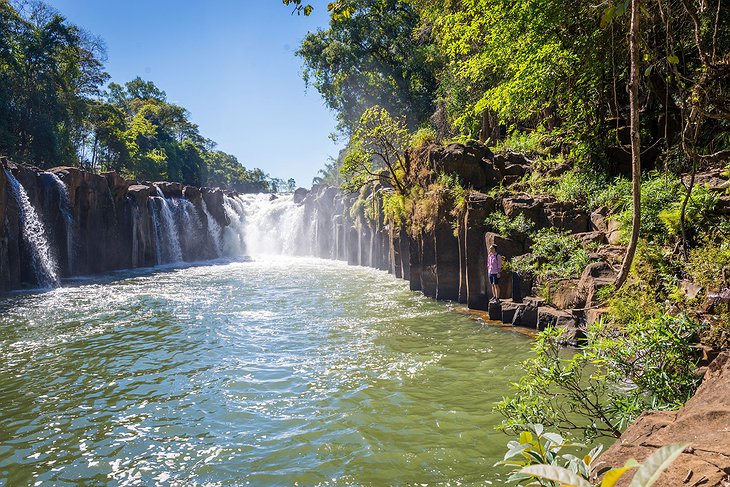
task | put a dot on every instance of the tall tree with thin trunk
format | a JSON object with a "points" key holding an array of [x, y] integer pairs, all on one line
{"points": [[635, 143]]}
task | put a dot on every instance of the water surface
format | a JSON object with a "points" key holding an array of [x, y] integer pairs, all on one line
{"points": [[274, 372]]}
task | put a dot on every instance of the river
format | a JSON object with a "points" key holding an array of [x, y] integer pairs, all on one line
{"points": [[272, 372]]}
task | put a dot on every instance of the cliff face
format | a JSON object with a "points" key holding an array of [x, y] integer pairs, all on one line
{"points": [[69, 222]]}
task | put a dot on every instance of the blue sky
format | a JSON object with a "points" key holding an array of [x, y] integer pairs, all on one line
{"points": [[231, 63]]}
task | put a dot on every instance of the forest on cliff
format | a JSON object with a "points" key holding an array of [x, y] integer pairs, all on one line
{"points": [[57, 107], [605, 128]]}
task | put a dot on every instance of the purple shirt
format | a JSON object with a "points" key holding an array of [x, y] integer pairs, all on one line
{"points": [[494, 263]]}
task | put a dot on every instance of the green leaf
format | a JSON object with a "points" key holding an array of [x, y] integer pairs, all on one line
{"points": [[672, 59], [558, 474], [526, 437], [608, 16], [655, 465]]}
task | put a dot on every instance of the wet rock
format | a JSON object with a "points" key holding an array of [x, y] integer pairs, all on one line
{"points": [[495, 311]]}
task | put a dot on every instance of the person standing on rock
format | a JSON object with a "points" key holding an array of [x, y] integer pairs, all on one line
{"points": [[494, 268]]}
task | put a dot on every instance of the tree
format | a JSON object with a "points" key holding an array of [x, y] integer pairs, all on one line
{"points": [[372, 58], [378, 152], [635, 144]]}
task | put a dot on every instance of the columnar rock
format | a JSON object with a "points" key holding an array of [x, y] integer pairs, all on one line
{"points": [[475, 249], [446, 254]]}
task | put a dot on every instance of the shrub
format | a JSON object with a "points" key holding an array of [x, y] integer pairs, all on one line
{"points": [[580, 187], [621, 371], [709, 266], [658, 192], [654, 358], [423, 137], [701, 218], [616, 195], [517, 228], [557, 254]]}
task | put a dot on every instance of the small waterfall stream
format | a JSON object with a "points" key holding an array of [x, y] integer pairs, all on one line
{"points": [[169, 230], [34, 234], [214, 230], [68, 219]]}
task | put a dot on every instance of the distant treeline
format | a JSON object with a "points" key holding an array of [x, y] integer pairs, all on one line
{"points": [[55, 110]]}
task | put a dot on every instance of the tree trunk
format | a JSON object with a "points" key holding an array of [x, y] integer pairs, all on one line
{"points": [[635, 144]]}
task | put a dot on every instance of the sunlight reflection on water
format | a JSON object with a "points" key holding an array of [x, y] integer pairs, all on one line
{"points": [[267, 373]]}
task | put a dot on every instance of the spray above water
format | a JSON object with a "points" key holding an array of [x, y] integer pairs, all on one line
{"points": [[34, 234]]}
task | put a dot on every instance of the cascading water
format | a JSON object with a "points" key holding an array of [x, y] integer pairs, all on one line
{"points": [[214, 230], [152, 206], [34, 233], [234, 240], [190, 222], [68, 219], [169, 230], [275, 226]]}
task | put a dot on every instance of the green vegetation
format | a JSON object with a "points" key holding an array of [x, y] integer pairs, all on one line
{"points": [[537, 459], [54, 111], [553, 254], [618, 373]]}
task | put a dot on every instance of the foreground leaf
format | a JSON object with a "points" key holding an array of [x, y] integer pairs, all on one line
{"points": [[558, 474]]}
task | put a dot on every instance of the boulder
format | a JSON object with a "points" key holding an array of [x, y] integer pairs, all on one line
{"points": [[299, 195], [506, 247], [689, 288], [596, 276], [471, 162], [526, 205], [702, 423], [526, 315], [564, 294], [592, 239], [613, 232]]}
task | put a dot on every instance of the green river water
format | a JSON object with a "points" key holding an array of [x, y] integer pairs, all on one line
{"points": [[275, 372]]}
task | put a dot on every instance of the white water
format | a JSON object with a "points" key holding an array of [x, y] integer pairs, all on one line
{"points": [[276, 226], [169, 229], [34, 234], [214, 230], [68, 219], [234, 240]]}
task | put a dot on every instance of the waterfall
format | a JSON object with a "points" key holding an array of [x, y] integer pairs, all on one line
{"points": [[190, 223], [214, 230], [34, 233], [135, 236], [169, 229], [275, 226], [68, 219], [156, 228], [234, 243]]}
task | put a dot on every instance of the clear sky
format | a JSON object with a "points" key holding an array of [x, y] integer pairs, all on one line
{"points": [[231, 63]]}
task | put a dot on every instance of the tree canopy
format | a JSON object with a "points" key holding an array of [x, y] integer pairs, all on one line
{"points": [[55, 110]]}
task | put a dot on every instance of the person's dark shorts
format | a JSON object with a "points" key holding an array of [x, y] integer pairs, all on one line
{"points": [[493, 278]]}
